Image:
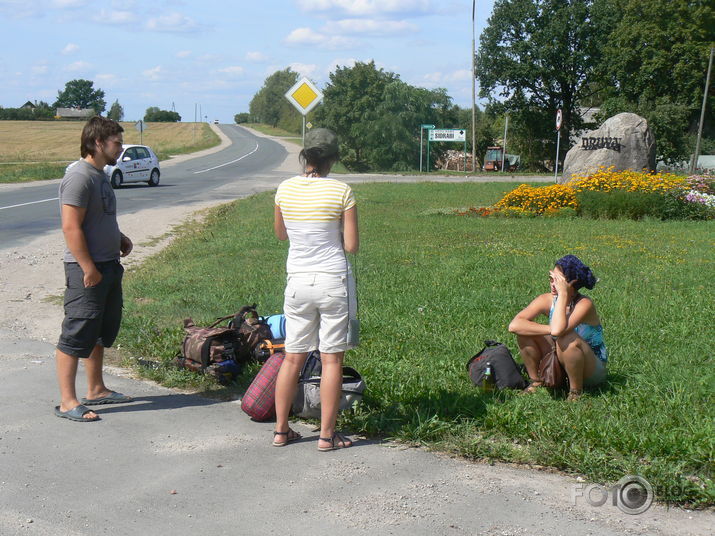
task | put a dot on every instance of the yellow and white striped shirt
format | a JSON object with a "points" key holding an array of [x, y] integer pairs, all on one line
{"points": [[312, 209]]}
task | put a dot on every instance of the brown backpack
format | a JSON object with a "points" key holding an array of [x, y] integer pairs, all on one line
{"points": [[211, 350], [251, 329]]}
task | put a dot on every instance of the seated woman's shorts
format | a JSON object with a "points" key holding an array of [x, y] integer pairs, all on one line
{"points": [[316, 311], [598, 376]]}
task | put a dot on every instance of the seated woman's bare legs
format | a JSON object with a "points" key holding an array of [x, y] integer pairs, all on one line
{"points": [[578, 359], [286, 387], [331, 384], [533, 348]]}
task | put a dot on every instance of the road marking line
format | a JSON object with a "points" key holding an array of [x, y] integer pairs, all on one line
{"points": [[30, 203], [227, 163]]}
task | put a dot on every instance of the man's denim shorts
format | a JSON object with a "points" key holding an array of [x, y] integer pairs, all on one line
{"points": [[93, 314]]}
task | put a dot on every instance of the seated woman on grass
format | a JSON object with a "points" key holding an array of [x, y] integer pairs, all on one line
{"points": [[574, 327]]}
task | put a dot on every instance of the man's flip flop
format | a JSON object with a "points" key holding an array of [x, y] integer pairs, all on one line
{"points": [[76, 414], [111, 398]]}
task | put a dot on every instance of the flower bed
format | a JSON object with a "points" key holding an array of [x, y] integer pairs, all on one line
{"points": [[611, 194]]}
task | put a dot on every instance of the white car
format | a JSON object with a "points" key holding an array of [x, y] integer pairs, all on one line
{"points": [[137, 163]]}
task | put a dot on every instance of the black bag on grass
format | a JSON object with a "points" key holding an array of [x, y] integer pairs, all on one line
{"points": [[506, 372]]}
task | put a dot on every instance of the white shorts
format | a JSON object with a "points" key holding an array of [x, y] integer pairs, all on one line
{"points": [[317, 313]]}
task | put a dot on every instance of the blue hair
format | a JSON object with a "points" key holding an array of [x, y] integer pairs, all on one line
{"points": [[577, 271]]}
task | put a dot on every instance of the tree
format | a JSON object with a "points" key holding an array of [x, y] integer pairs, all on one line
{"points": [[539, 55], [270, 106], [242, 117], [81, 94], [654, 64], [350, 102], [116, 111], [377, 116], [154, 114]]}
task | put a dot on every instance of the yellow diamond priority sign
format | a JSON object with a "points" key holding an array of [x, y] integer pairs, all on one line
{"points": [[304, 95]]}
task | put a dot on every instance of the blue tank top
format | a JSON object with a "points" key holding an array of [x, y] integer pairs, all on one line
{"points": [[593, 335]]}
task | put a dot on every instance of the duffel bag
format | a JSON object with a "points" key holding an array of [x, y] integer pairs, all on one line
{"points": [[259, 402], [307, 400]]}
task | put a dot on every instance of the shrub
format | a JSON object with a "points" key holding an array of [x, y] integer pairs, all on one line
{"points": [[616, 204]]}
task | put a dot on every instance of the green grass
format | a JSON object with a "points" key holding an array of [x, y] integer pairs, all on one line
{"points": [[271, 131], [433, 286], [31, 172]]}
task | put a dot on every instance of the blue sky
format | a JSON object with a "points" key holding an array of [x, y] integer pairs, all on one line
{"points": [[217, 54]]}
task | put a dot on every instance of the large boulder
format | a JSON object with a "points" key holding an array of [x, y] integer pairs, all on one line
{"points": [[624, 141]]}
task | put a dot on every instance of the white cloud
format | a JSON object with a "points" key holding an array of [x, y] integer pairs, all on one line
{"points": [[233, 70], [173, 22], [370, 27], [303, 68], [106, 79], [368, 7], [256, 57], [183, 54], [155, 73], [40, 68], [115, 17], [439, 77], [69, 49], [78, 66], [306, 36], [64, 4]]}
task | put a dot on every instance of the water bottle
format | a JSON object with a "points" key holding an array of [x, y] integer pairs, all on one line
{"points": [[488, 383]]}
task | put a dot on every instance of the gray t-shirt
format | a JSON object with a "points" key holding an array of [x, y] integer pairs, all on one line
{"points": [[87, 187]]}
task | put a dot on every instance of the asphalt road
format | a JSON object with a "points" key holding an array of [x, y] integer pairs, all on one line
{"points": [[32, 210]]}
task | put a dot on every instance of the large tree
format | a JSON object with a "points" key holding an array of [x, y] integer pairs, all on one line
{"points": [[654, 64], [536, 56], [81, 94], [377, 116], [270, 106]]}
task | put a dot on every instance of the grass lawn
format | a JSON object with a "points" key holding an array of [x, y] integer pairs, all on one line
{"points": [[37, 150], [433, 286]]}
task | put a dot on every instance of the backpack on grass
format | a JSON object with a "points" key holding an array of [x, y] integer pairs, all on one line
{"points": [[505, 371], [211, 350], [252, 330]]}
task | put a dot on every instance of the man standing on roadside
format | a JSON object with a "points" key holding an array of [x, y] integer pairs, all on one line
{"points": [[93, 274]]}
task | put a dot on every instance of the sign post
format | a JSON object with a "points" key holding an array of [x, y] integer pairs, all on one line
{"points": [[447, 134], [422, 128], [558, 141], [304, 96], [141, 127]]}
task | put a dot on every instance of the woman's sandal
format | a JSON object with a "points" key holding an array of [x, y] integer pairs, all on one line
{"points": [[574, 395], [338, 441], [534, 385], [290, 435]]}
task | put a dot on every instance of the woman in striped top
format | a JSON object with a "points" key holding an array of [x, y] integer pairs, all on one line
{"points": [[318, 216]]}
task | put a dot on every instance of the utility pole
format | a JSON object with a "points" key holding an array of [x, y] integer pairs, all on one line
{"points": [[694, 162], [474, 74]]}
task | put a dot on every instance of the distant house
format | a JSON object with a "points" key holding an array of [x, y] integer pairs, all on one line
{"points": [[75, 113], [29, 105]]}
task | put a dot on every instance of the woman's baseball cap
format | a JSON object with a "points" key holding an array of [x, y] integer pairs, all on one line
{"points": [[324, 139]]}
